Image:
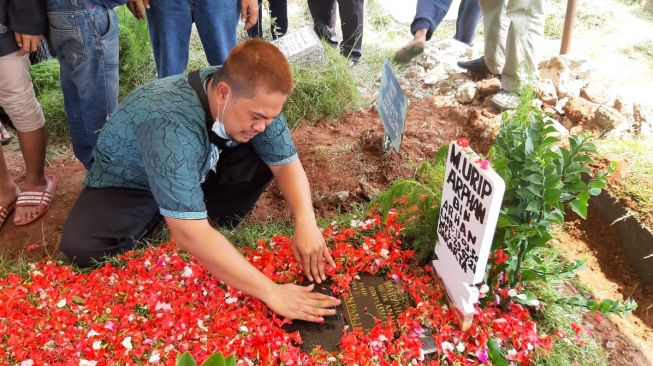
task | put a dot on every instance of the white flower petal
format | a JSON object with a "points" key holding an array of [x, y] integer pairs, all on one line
{"points": [[127, 343], [97, 345]]}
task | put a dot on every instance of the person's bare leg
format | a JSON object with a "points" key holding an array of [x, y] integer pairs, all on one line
{"points": [[413, 48], [8, 189], [32, 144]]}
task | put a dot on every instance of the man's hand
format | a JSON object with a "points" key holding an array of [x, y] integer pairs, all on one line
{"points": [[249, 12], [27, 43], [137, 7], [297, 302], [311, 251]]}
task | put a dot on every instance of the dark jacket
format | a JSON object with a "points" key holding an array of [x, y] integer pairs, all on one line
{"points": [[21, 16]]}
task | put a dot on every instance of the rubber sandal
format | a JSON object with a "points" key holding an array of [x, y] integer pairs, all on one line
{"points": [[407, 53], [41, 199], [7, 140], [5, 212]]}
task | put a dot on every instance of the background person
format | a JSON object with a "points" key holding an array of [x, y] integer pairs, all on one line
{"points": [[324, 15], [170, 23], [22, 25]]}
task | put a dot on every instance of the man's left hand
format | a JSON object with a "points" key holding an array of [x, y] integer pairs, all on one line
{"points": [[249, 12], [311, 252]]}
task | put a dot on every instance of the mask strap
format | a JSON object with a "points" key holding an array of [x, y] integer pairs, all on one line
{"points": [[224, 109]]}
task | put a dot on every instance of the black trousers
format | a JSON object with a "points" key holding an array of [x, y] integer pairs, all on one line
{"points": [[351, 18], [279, 15], [108, 221]]}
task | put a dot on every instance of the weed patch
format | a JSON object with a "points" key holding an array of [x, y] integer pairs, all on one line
{"points": [[636, 174], [321, 93]]}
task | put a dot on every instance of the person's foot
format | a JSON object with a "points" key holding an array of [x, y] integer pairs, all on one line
{"points": [[505, 100], [34, 201], [476, 66], [408, 52], [5, 136], [8, 201], [353, 60]]}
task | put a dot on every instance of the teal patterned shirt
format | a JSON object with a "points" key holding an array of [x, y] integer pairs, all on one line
{"points": [[157, 140]]}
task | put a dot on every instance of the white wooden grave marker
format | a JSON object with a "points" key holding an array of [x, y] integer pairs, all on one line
{"points": [[471, 201]]}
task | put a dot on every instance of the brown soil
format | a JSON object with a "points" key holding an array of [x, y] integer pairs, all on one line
{"points": [[629, 341], [339, 155], [43, 235]]}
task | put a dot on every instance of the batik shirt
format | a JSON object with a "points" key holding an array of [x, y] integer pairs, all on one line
{"points": [[157, 140]]}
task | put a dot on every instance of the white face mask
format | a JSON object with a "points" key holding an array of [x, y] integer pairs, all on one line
{"points": [[218, 125]]}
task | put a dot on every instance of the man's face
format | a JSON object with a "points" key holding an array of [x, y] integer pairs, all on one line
{"points": [[244, 118]]}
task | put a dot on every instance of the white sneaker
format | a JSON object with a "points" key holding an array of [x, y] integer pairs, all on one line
{"points": [[505, 100]]}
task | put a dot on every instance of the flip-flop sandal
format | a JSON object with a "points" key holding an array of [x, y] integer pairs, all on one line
{"points": [[407, 53], [40, 199], [7, 140], [5, 212]]}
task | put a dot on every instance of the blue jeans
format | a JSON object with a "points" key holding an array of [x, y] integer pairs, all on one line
{"points": [[430, 13], [85, 38], [170, 23]]}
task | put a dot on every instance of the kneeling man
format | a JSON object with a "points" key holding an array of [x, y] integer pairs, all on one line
{"points": [[202, 147]]}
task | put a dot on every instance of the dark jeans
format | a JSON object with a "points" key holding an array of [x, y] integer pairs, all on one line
{"points": [[469, 13], [430, 13], [108, 221], [279, 15], [351, 18]]}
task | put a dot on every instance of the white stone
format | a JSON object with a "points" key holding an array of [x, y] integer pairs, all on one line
{"points": [[466, 92], [546, 92], [641, 114], [607, 118], [435, 75], [302, 47]]}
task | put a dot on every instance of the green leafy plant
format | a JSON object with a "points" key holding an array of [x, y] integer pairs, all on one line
{"points": [[217, 359], [544, 177], [420, 196]]}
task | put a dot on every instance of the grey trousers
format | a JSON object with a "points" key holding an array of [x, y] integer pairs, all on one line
{"points": [[513, 31]]}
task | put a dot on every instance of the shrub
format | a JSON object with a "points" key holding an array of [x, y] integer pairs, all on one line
{"points": [[420, 196], [321, 93], [545, 178]]}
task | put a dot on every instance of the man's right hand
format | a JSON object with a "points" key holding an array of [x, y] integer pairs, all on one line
{"points": [[298, 302], [137, 7], [27, 42]]}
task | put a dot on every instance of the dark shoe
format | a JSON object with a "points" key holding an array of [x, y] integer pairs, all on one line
{"points": [[476, 66]]}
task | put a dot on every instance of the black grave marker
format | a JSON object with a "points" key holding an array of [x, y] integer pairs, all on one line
{"points": [[392, 106], [370, 299]]}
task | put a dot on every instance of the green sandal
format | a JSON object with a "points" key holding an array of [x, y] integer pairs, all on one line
{"points": [[407, 53]]}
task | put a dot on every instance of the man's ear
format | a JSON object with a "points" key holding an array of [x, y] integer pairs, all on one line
{"points": [[223, 91]]}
